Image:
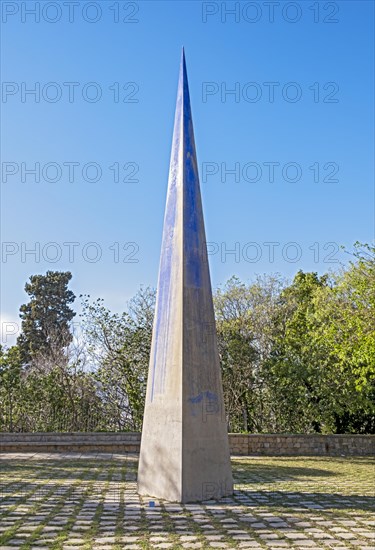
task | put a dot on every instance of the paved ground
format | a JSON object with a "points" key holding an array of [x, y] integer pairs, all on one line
{"points": [[76, 501]]}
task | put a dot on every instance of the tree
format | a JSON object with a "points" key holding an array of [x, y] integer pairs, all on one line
{"points": [[10, 379], [119, 346], [344, 326], [245, 330], [295, 376], [46, 317]]}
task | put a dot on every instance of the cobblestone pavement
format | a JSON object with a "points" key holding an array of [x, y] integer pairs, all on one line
{"points": [[73, 501]]}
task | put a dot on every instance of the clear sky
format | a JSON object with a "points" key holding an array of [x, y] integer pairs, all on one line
{"points": [[297, 132]]}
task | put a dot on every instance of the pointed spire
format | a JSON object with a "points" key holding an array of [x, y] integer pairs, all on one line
{"points": [[184, 450]]}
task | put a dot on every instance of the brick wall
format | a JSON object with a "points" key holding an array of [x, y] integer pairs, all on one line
{"points": [[240, 444]]}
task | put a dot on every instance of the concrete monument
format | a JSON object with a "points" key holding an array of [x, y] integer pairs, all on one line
{"points": [[184, 452]]}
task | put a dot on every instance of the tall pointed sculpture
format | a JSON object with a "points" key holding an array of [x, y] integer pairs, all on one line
{"points": [[184, 453]]}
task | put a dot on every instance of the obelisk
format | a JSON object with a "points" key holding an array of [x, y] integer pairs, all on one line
{"points": [[184, 453]]}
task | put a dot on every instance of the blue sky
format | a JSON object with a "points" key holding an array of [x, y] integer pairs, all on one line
{"points": [[325, 134]]}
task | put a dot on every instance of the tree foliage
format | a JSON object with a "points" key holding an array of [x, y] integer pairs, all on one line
{"points": [[119, 346], [46, 317], [296, 356]]}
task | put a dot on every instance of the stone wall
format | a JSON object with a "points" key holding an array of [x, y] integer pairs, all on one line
{"points": [[302, 445], [240, 444], [71, 442]]}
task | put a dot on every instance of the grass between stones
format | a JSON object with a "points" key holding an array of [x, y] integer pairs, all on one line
{"points": [[69, 502]]}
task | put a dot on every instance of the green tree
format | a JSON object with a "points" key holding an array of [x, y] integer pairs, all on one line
{"points": [[245, 336], [119, 347], [294, 375], [46, 317], [345, 329], [10, 381]]}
